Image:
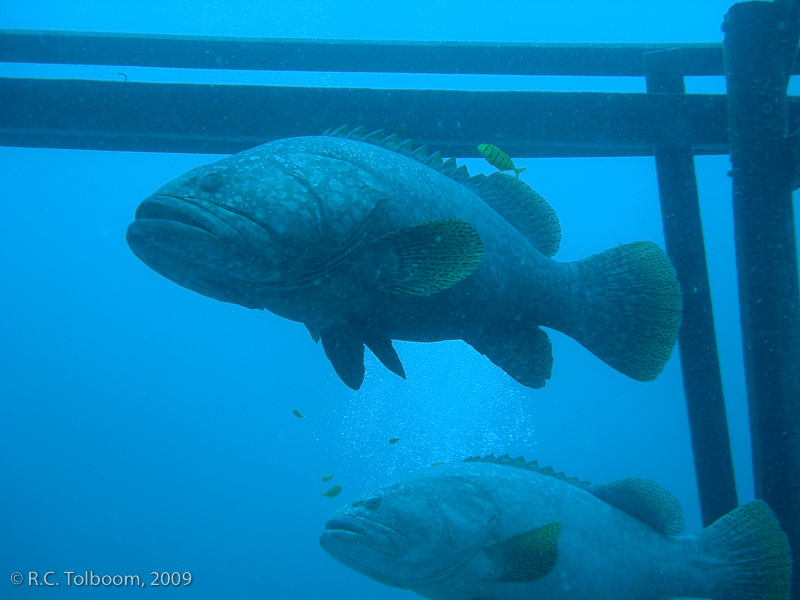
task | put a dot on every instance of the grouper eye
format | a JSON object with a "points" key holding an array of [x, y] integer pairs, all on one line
{"points": [[373, 504], [211, 181]]}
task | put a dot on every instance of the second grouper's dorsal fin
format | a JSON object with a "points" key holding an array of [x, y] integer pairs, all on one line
{"points": [[640, 498], [517, 202], [645, 500]]}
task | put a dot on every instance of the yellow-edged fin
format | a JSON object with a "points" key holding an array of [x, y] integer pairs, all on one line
{"points": [[498, 159], [527, 556], [422, 259]]}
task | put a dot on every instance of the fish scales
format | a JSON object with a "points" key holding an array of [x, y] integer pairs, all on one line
{"points": [[416, 194], [436, 533], [365, 245]]}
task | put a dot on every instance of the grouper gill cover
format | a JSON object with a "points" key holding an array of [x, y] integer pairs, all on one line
{"points": [[366, 240]]}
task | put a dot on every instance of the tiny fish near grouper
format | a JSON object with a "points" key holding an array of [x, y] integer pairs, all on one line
{"points": [[498, 159], [501, 529], [366, 241]]}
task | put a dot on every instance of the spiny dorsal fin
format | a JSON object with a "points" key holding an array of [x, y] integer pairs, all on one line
{"points": [[521, 463], [640, 498], [512, 198]]}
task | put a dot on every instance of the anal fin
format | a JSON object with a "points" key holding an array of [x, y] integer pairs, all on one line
{"points": [[525, 353]]}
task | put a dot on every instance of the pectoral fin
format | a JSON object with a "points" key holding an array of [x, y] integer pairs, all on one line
{"points": [[345, 350], [422, 259], [527, 556]]}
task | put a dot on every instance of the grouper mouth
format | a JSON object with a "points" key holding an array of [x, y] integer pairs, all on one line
{"points": [[196, 244], [345, 529], [162, 211], [346, 537]]}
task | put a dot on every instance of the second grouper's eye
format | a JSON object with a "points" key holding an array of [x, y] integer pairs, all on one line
{"points": [[373, 504], [211, 181]]}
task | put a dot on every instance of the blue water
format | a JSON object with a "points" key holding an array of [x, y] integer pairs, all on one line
{"points": [[148, 429]]}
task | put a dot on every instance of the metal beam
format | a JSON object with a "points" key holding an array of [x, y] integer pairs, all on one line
{"points": [[367, 56], [791, 33], [766, 255], [100, 115], [697, 342]]}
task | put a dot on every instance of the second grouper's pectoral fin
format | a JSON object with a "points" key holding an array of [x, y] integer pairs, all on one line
{"points": [[345, 350], [527, 556], [422, 259]]}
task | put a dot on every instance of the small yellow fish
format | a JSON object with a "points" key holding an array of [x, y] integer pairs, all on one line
{"points": [[436, 464], [328, 477], [334, 491], [394, 440], [297, 413], [498, 159]]}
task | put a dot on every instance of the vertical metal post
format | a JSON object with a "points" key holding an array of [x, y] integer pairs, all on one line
{"points": [[683, 234], [766, 254]]}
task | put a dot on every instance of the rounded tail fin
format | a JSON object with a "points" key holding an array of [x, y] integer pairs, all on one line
{"points": [[630, 308], [754, 551]]}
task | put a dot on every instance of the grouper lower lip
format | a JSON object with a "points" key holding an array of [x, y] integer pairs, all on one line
{"points": [[353, 530], [187, 212], [189, 245]]}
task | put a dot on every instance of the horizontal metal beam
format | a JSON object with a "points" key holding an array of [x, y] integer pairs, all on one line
{"points": [[223, 119], [367, 56]]}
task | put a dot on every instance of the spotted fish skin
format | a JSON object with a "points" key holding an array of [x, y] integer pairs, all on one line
{"points": [[502, 529], [365, 243]]}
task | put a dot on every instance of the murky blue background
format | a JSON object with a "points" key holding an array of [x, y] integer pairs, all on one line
{"points": [[146, 428]]}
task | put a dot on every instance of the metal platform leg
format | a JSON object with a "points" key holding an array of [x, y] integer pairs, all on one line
{"points": [[683, 234], [766, 254]]}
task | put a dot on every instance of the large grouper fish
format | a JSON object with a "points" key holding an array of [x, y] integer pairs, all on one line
{"points": [[501, 529], [365, 241]]}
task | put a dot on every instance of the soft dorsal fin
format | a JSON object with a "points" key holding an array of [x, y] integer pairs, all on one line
{"points": [[512, 198], [521, 206], [640, 498], [645, 500]]}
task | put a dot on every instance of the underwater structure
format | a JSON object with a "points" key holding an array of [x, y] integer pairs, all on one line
{"points": [[755, 123]]}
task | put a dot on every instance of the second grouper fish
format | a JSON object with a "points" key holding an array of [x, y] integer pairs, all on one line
{"points": [[495, 528], [365, 241]]}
